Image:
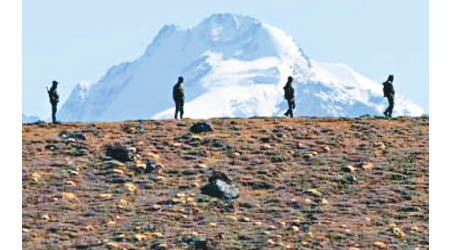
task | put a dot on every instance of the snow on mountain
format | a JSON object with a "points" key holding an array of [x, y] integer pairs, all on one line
{"points": [[29, 118], [233, 66]]}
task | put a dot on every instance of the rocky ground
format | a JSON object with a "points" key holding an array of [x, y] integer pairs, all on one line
{"points": [[304, 183]]}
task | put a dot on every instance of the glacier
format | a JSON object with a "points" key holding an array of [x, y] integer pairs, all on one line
{"points": [[233, 66]]}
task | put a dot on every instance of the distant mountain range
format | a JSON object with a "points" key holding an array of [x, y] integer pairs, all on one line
{"points": [[233, 66]]}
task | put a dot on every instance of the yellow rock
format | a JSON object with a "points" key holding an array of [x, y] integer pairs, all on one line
{"points": [[112, 244], [415, 229], [130, 187], [308, 201], [326, 149], [160, 178], [379, 244], [25, 230], [295, 228], [398, 232], [140, 237], [35, 176], [68, 196], [272, 227], [245, 219], [118, 171], [111, 223], [45, 217], [314, 192], [282, 223], [153, 156], [324, 201], [368, 166], [258, 223], [231, 217], [123, 203], [141, 166], [212, 224], [156, 206], [105, 196], [271, 242], [201, 165], [163, 245], [181, 195], [157, 234]]}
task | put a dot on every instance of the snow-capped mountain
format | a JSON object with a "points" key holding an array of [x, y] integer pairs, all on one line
{"points": [[29, 118], [233, 66]]}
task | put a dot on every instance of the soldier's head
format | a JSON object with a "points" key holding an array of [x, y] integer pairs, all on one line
{"points": [[390, 78], [180, 79], [55, 83], [290, 79]]}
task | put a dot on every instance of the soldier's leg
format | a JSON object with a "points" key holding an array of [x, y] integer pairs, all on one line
{"points": [[53, 113], [176, 109], [291, 105], [181, 109], [391, 106]]}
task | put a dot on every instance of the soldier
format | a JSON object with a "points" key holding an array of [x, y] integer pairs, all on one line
{"points": [[54, 99], [178, 97], [289, 96], [389, 93]]}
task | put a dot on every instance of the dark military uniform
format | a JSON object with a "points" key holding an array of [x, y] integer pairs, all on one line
{"points": [[54, 99], [178, 97], [389, 93], [289, 96]]}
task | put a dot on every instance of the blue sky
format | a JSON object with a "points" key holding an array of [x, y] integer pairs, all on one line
{"points": [[80, 40]]}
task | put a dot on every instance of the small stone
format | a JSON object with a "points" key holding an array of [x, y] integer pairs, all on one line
{"points": [[86, 229], [295, 228], [212, 224], [349, 169], [265, 146], [111, 223], [160, 178], [202, 165], [157, 234], [367, 166], [130, 187], [123, 203], [245, 219], [308, 157], [71, 183], [45, 217], [324, 201], [69, 196], [313, 192], [132, 150], [105, 196], [35, 176], [379, 244], [140, 237], [270, 242]]}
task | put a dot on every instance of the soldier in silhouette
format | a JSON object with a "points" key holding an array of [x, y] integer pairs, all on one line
{"points": [[389, 93], [54, 99], [289, 96], [178, 97]]}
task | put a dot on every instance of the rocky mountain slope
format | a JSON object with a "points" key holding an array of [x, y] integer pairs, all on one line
{"points": [[304, 183], [234, 66]]}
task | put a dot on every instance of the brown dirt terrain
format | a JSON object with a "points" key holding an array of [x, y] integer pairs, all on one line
{"points": [[304, 183]]}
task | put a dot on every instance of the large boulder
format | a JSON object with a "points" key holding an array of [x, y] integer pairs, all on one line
{"points": [[220, 186], [201, 127]]}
